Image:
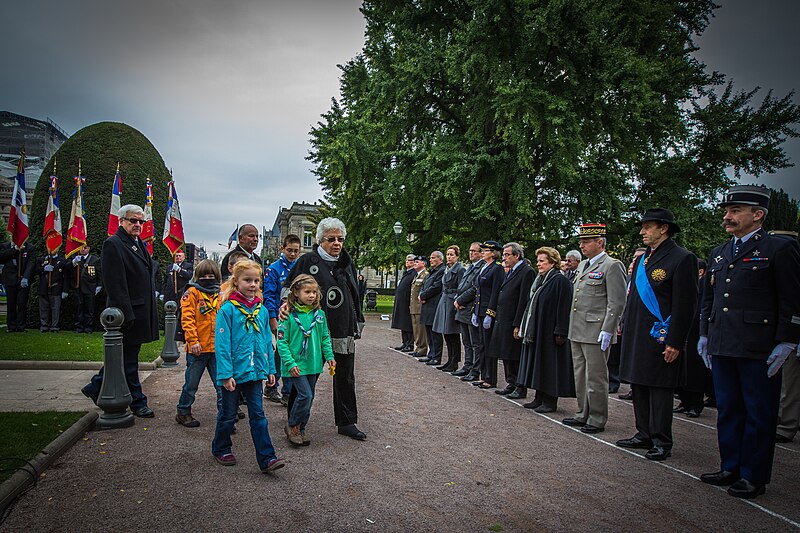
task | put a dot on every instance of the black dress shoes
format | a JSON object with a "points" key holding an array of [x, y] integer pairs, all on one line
{"points": [[143, 412], [352, 431], [573, 422], [424, 359], [85, 392], [399, 348], [658, 453], [518, 394], [679, 409], [780, 439], [433, 362], [693, 412], [544, 408], [627, 396], [485, 385], [536, 403], [721, 478], [505, 391], [461, 372], [470, 377], [635, 442], [745, 489], [591, 430]]}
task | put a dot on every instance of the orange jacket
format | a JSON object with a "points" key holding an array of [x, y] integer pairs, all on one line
{"points": [[199, 317]]}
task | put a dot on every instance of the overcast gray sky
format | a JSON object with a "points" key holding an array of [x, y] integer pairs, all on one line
{"points": [[228, 91]]}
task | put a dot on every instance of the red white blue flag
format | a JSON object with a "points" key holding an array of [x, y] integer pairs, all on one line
{"points": [[18, 216], [76, 234], [173, 225], [116, 203], [52, 219], [148, 235]]}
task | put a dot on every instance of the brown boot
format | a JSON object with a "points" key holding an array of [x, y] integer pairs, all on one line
{"points": [[186, 420]]}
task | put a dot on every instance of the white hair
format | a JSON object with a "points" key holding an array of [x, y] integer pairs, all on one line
{"points": [[129, 208], [410, 256], [574, 253], [327, 224], [438, 254]]}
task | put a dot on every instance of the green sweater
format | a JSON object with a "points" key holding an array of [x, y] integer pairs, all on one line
{"points": [[290, 342]]}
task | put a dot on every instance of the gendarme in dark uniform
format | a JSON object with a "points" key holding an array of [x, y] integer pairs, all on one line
{"points": [[653, 354], [749, 325]]}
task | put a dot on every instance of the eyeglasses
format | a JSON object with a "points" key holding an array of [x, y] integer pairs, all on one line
{"points": [[475, 251], [507, 254], [334, 239], [134, 220]]}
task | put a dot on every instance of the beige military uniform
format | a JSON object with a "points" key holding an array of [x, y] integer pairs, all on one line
{"points": [[420, 338]]}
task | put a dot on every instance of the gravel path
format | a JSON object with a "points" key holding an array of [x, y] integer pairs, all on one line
{"points": [[441, 456]]}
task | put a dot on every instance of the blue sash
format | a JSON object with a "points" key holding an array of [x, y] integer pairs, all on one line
{"points": [[648, 297]]}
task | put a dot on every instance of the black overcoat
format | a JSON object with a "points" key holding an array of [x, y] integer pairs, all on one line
{"points": [[672, 272], [127, 271], [401, 313], [546, 366], [84, 276], [750, 302], [511, 302], [488, 283], [50, 283], [698, 376], [175, 281], [430, 293], [466, 291]]}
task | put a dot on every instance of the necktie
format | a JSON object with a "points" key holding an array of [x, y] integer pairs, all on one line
{"points": [[586, 266], [736, 246]]}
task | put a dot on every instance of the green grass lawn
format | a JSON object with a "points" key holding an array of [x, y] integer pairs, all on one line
{"points": [[62, 346], [23, 435], [385, 305]]}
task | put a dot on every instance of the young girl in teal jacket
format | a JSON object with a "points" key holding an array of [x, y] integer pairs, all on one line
{"points": [[304, 345], [244, 353]]}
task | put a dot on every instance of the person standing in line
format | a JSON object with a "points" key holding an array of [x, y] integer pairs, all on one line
{"points": [[489, 280], [247, 242], [692, 392], [572, 259], [658, 316], [444, 322], [17, 272], [749, 327], [401, 312], [84, 277], [599, 299], [415, 307], [50, 269], [429, 296], [464, 304]]}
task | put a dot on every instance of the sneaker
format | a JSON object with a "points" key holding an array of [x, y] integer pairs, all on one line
{"points": [[227, 459], [273, 464], [187, 421], [284, 401], [306, 438], [273, 395], [293, 434]]}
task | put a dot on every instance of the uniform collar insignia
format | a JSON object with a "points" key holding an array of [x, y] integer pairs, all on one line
{"points": [[756, 253], [134, 248], [718, 258]]}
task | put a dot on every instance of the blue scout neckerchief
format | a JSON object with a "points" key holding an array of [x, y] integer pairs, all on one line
{"points": [[648, 297], [306, 332], [250, 317]]}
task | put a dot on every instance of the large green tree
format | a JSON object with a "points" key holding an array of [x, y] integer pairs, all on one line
{"points": [[517, 120]]}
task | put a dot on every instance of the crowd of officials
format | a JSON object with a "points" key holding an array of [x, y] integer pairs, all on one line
{"points": [[722, 332]]}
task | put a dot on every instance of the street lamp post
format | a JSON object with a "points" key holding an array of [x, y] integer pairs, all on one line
{"points": [[398, 229]]}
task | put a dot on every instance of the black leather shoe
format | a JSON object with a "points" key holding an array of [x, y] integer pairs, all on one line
{"points": [[424, 359], [627, 396], [721, 478], [433, 362], [536, 403], [485, 385], [658, 453], [85, 392], [693, 413], [590, 429], [477, 383], [505, 391], [352, 431], [470, 377], [399, 348], [143, 412], [544, 408], [573, 422], [679, 409], [635, 442], [460, 372], [780, 439], [518, 394], [745, 489], [414, 354], [409, 348]]}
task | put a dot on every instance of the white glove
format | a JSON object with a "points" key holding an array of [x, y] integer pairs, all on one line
{"points": [[474, 320], [97, 291], [487, 322], [702, 349], [176, 267], [605, 340], [76, 260], [23, 283], [779, 356], [64, 295], [48, 268]]}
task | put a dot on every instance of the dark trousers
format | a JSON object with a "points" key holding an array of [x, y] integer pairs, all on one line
{"points": [[488, 364], [130, 363], [476, 335], [84, 312], [469, 347], [453, 343], [511, 369], [345, 410], [691, 399], [435, 344], [613, 366], [652, 407], [17, 307], [49, 311], [747, 416], [407, 337]]}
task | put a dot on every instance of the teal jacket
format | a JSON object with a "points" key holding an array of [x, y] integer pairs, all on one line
{"points": [[290, 342], [243, 354]]}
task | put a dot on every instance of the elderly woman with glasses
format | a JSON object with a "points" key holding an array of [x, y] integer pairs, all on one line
{"points": [[332, 267]]}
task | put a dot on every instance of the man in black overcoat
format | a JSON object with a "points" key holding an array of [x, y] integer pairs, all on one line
{"points": [[401, 314], [653, 353], [18, 267], [247, 244], [511, 302], [749, 326], [129, 284], [83, 275], [429, 296], [178, 275]]}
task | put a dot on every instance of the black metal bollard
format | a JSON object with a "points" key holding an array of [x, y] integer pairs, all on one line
{"points": [[170, 353], [114, 396]]}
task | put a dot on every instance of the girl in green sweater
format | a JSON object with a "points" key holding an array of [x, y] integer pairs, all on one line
{"points": [[304, 345]]}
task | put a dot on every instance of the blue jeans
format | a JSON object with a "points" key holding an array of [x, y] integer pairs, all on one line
{"points": [[286, 389], [251, 391], [300, 399], [195, 365]]}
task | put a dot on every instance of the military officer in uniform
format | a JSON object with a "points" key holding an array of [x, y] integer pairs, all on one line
{"points": [[597, 305], [415, 308], [50, 269], [83, 276], [749, 326], [18, 265], [658, 316]]}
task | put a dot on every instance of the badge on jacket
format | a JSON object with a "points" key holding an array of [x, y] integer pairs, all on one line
{"points": [[595, 275]]}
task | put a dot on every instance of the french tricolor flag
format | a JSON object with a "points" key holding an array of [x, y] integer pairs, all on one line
{"points": [[116, 203], [173, 224]]}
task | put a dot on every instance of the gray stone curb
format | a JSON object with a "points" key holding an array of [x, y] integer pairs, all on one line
{"points": [[68, 365], [20, 481]]}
